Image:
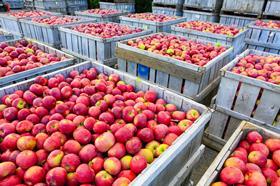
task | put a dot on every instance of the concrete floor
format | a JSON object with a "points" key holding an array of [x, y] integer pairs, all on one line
{"points": [[205, 161]]}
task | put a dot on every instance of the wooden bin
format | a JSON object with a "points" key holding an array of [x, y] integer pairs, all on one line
{"points": [[45, 33], [12, 24], [123, 7], [51, 5], [184, 78], [243, 98], [101, 18], [20, 76], [264, 39], [93, 48], [237, 41], [212, 5], [244, 7], [212, 173], [272, 8], [151, 25], [233, 20], [166, 11], [192, 15], [177, 162]]}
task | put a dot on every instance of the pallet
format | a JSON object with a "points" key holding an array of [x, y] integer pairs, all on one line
{"points": [[168, 2], [240, 6], [11, 79], [263, 39], [244, 98], [123, 7], [192, 15], [176, 163], [212, 173], [95, 48], [190, 80], [47, 34], [151, 25], [101, 18], [237, 41], [234, 20], [272, 8], [166, 11], [211, 5], [15, 4]]}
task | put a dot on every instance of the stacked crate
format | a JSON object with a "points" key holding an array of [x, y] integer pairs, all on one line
{"points": [[202, 10], [241, 12], [29, 4], [121, 5], [15, 4], [272, 9], [168, 7], [51, 5], [76, 5]]}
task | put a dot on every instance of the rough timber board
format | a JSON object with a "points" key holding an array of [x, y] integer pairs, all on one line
{"points": [[241, 6]]}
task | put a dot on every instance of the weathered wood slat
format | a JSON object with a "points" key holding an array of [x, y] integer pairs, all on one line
{"points": [[272, 8], [235, 20], [213, 5], [202, 16], [240, 6], [124, 7]]}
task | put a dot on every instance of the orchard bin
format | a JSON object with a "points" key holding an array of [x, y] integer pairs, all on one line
{"points": [[182, 77], [177, 162], [212, 173]]}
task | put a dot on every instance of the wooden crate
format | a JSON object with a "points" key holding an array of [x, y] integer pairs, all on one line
{"points": [[177, 162], [244, 98], [263, 39], [11, 79], [168, 2], [272, 8], [123, 7], [166, 11], [101, 18], [184, 78], [51, 5], [213, 5], [151, 25], [233, 20], [48, 34], [237, 41], [93, 48], [192, 15], [244, 7], [212, 173]]}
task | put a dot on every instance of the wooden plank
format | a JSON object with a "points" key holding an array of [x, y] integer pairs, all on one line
{"points": [[190, 88], [158, 65], [232, 125], [268, 107], [162, 78], [218, 124], [175, 83], [122, 65], [131, 67]]}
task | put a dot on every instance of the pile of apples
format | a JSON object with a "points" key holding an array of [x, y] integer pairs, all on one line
{"points": [[210, 27], [268, 24], [177, 47], [266, 68], [152, 17], [106, 30], [26, 14], [102, 11], [23, 56], [84, 129], [56, 20], [254, 162]]}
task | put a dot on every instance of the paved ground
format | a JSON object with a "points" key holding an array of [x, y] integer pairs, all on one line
{"points": [[205, 161]]}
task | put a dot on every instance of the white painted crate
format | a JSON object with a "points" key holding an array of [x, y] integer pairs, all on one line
{"points": [[101, 18], [192, 15], [272, 8], [151, 25], [124, 7], [234, 20], [244, 7], [12, 24], [244, 98], [166, 11], [21, 76], [212, 173], [263, 39], [237, 41], [177, 162], [93, 48], [15, 4], [213, 5], [48, 34], [168, 2], [183, 78]]}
